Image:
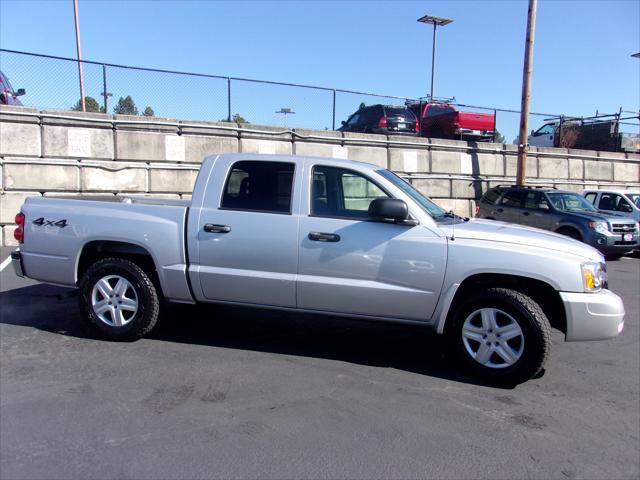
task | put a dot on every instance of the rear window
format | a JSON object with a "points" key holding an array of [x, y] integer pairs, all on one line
{"points": [[491, 196], [396, 111]]}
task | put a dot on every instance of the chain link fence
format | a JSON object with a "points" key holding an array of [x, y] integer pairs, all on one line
{"points": [[53, 83]]}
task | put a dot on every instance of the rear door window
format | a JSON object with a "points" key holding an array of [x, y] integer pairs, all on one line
{"points": [[259, 187], [513, 198]]}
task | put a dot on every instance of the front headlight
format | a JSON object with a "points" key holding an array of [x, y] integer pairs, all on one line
{"points": [[599, 227], [594, 276]]}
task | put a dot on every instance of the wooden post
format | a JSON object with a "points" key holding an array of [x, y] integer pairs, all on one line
{"points": [[523, 146]]}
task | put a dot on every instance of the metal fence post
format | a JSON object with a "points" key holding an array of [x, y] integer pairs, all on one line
{"points": [[495, 121], [333, 120], [104, 88], [228, 99]]}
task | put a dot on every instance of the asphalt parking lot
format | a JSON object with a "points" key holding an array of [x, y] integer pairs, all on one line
{"points": [[223, 392]]}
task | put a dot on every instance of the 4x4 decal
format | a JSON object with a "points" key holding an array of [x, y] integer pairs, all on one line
{"points": [[50, 223]]}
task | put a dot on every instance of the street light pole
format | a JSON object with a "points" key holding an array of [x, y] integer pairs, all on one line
{"points": [[285, 111], [75, 12], [435, 21]]}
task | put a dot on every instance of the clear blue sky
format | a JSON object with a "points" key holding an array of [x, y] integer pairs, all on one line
{"points": [[582, 59]]}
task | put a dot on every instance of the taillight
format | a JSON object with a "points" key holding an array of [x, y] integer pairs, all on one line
{"points": [[417, 126], [18, 233], [477, 210], [383, 122]]}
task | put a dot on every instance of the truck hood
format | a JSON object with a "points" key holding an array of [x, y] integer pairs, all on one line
{"points": [[597, 216], [510, 233]]}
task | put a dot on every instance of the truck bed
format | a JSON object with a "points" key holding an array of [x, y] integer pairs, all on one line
{"points": [[59, 230]]}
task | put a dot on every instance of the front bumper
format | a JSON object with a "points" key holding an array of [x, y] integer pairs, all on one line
{"points": [[16, 261], [615, 242], [593, 316]]}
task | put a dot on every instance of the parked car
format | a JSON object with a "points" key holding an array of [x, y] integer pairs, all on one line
{"points": [[384, 119], [443, 120], [7, 95], [560, 211], [322, 235], [622, 202]]}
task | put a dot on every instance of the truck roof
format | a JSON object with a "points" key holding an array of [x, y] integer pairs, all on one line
{"points": [[297, 159]]}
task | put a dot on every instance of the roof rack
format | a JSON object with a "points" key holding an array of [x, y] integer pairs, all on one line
{"points": [[525, 186]]}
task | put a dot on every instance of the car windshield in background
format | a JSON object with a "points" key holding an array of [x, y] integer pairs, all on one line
{"points": [[635, 198], [426, 204], [570, 202], [398, 112]]}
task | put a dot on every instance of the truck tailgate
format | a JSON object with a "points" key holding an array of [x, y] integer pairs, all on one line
{"points": [[475, 121]]}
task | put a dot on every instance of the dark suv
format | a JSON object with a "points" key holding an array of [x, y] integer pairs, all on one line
{"points": [[7, 95], [560, 211], [385, 119]]}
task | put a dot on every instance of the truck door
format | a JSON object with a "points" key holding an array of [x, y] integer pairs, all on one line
{"points": [[349, 264], [247, 237], [543, 137]]}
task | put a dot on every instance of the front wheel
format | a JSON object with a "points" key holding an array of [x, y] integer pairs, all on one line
{"points": [[119, 299], [501, 335]]}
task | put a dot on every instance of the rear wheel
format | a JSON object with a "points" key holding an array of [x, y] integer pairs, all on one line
{"points": [[501, 335], [119, 299]]}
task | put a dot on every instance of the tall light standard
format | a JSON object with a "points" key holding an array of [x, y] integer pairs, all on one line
{"points": [[285, 111], [435, 21], [75, 14]]}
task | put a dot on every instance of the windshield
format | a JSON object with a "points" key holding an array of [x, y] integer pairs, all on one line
{"points": [[426, 204], [570, 202]]}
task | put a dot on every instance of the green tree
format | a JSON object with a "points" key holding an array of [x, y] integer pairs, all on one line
{"points": [[126, 106], [499, 137], [236, 117], [90, 105], [148, 112]]}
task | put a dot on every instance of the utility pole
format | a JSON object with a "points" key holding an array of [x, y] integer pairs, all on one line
{"points": [[75, 12], [523, 146]]}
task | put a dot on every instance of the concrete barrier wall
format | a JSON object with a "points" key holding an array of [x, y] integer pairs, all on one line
{"points": [[61, 153]]}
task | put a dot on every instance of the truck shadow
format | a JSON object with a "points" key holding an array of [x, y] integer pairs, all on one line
{"points": [[409, 348]]}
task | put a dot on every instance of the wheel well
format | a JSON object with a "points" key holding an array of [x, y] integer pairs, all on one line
{"points": [[566, 230], [542, 293], [94, 251]]}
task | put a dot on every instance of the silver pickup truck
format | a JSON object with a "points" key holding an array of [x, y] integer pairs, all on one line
{"points": [[323, 235]]}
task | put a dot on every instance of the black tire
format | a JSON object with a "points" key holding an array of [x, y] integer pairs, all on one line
{"points": [[533, 323], [571, 233], [140, 286]]}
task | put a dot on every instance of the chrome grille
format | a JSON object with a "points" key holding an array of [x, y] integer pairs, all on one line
{"points": [[624, 228]]}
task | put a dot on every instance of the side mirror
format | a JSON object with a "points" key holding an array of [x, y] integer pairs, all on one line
{"points": [[20, 92], [626, 208], [533, 133], [388, 209], [343, 123]]}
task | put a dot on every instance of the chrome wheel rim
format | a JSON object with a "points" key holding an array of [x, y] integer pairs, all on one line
{"points": [[493, 338], [114, 300]]}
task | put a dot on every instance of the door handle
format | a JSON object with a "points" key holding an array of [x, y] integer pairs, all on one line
{"points": [[500, 210], [213, 228], [324, 237], [526, 214]]}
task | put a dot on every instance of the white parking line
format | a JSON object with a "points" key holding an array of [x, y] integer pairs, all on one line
{"points": [[4, 264]]}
